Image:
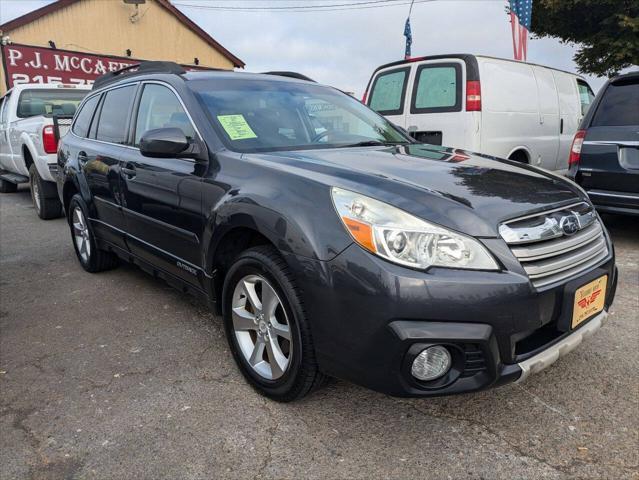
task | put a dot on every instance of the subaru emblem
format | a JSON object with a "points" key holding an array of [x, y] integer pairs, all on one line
{"points": [[569, 224]]}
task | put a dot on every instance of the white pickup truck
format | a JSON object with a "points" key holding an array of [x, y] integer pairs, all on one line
{"points": [[29, 139]]}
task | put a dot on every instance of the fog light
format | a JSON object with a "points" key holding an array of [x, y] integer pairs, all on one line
{"points": [[431, 363]]}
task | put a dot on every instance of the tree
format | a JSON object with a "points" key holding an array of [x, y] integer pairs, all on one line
{"points": [[607, 31]]}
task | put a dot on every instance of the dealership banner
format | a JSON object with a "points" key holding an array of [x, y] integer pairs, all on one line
{"points": [[29, 64]]}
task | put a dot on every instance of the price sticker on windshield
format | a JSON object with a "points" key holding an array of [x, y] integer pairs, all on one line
{"points": [[236, 127]]}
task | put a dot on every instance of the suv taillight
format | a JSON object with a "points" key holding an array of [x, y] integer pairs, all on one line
{"points": [[49, 142], [473, 96], [575, 150]]}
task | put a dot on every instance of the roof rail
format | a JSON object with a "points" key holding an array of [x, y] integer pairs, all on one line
{"points": [[299, 76], [138, 69]]}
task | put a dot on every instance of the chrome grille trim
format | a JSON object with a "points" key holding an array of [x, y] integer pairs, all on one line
{"points": [[558, 258], [565, 244]]}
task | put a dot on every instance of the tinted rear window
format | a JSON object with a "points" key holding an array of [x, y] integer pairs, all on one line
{"points": [[437, 88], [49, 102], [619, 106], [112, 126], [387, 95], [83, 120]]}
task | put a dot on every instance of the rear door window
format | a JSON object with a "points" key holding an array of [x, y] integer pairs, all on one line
{"points": [[388, 92], [437, 88], [114, 115], [585, 96], [83, 119], [618, 107]]}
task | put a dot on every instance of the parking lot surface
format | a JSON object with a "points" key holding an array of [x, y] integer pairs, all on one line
{"points": [[116, 375]]}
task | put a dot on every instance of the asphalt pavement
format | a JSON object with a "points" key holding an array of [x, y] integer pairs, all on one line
{"points": [[116, 376]]}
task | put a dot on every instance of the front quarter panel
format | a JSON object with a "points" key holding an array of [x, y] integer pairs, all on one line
{"points": [[296, 214]]}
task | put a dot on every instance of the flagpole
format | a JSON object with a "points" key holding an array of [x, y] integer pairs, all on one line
{"points": [[407, 33]]}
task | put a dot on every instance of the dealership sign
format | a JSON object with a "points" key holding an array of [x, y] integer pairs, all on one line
{"points": [[27, 64]]}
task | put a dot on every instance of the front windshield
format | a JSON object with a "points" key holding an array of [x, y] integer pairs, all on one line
{"points": [[266, 116]]}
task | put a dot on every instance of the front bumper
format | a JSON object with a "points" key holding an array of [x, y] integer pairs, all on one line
{"points": [[547, 357], [370, 318]]}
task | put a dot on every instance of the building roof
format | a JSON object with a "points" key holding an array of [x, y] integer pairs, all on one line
{"points": [[166, 4]]}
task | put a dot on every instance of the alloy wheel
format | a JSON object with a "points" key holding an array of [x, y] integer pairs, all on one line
{"points": [[81, 234], [261, 327]]}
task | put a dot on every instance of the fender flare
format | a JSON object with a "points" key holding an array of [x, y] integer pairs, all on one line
{"points": [[26, 141], [523, 148], [284, 233]]}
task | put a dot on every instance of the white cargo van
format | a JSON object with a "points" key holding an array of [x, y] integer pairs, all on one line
{"points": [[499, 107]]}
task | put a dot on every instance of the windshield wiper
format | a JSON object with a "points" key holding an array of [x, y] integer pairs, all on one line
{"points": [[373, 143]]}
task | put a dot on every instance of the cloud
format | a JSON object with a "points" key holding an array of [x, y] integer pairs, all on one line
{"points": [[342, 48]]}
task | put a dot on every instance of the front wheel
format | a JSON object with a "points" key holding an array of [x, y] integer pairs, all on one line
{"points": [[267, 328]]}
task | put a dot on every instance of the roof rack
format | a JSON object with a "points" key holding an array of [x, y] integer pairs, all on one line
{"points": [[299, 76], [138, 69]]}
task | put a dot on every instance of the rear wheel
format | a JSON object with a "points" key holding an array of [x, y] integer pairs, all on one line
{"points": [[7, 187], [267, 328], [519, 156], [90, 256], [44, 196]]}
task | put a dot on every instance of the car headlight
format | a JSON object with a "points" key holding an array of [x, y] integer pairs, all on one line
{"points": [[402, 238]]}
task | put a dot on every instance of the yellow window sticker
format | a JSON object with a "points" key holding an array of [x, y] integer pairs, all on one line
{"points": [[236, 127]]}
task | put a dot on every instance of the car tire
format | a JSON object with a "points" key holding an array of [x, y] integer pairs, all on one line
{"points": [[294, 372], [7, 187], [92, 258], [44, 197]]}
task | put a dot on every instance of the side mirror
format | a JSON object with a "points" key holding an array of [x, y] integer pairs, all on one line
{"points": [[164, 143]]}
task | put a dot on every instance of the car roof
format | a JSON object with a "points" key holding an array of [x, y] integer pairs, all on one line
{"points": [[625, 76], [465, 57], [168, 71]]}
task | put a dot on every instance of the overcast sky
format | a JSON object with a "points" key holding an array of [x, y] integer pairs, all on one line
{"points": [[342, 48]]}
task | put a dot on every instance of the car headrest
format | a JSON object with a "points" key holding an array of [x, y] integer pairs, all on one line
{"points": [[33, 108]]}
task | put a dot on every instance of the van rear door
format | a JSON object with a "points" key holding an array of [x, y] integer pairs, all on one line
{"points": [[435, 114], [387, 95], [569, 115], [547, 135]]}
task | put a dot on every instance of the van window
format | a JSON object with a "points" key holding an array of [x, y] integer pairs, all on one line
{"points": [[160, 108], [112, 126], [389, 89], [83, 119], [437, 88], [619, 105], [585, 96]]}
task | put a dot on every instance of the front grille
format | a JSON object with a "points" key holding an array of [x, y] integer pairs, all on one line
{"points": [[550, 250]]}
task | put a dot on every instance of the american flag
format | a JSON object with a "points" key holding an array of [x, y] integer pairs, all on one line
{"points": [[409, 38], [520, 17]]}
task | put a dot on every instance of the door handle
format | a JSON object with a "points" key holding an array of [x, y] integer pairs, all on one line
{"points": [[561, 126], [82, 158], [128, 170]]}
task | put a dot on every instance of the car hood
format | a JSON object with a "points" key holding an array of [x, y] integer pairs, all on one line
{"points": [[465, 191]]}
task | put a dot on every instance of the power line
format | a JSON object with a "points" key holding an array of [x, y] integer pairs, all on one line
{"points": [[308, 8], [355, 5]]}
